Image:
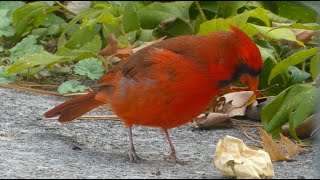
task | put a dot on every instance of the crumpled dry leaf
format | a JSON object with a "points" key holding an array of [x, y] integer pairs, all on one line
{"points": [[235, 104], [302, 35], [226, 106], [212, 119], [277, 150], [307, 129], [233, 158]]}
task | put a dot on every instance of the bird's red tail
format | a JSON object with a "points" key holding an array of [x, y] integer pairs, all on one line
{"points": [[74, 108]]}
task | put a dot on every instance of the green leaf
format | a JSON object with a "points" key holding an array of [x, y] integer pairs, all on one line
{"points": [[23, 16], [26, 46], [276, 33], [130, 19], [88, 50], [91, 67], [87, 13], [292, 60], [276, 18], [5, 28], [71, 86], [10, 6], [296, 75], [266, 53], [304, 110], [229, 8], [239, 20], [146, 35], [296, 11], [152, 15], [81, 37], [35, 60], [276, 114], [6, 79], [314, 66]]}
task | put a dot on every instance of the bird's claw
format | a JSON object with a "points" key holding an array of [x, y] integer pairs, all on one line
{"points": [[173, 157], [134, 158]]}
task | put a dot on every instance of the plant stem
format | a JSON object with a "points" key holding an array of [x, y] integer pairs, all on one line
{"points": [[65, 8], [203, 16]]}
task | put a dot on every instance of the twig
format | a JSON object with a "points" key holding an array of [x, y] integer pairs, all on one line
{"points": [[203, 16], [249, 137], [29, 89], [106, 117], [65, 8]]}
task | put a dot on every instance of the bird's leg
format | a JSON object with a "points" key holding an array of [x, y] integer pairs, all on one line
{"points": [[173, 155], [134, 158]]}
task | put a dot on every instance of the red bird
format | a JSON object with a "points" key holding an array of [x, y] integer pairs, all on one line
{"points": [[169, 83]]}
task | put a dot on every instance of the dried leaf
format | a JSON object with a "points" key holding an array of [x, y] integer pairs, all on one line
{"points": [[292, 148], [271, 147], [146, 44], [212, 119], [236, 103]]}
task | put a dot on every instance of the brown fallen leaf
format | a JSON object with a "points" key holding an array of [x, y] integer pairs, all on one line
{"points": [[302, 35], [271, 147], [236, 103], [292, 148], [210, 120], [279, 151]]}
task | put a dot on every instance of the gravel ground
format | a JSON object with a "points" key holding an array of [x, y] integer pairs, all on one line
{"points": [[34, 148]]}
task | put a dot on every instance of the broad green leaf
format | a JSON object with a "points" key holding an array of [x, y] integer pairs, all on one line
{"points": [[52, 19], [292, 60], [229, 8], [276, 113], [152, 15], [276, 18], [266, 53], [6, 79], [10, 6], [304, 110], [26, 46], [5, 27], [314, 66], [88, 13], [88, 50], [239, 20], [23, 15], [71, 86], [130, 19], [80, 38], [275, 33], [92, 68], [296, 75], [296, 11], [307, 26], [34, 60], [146, 35]]}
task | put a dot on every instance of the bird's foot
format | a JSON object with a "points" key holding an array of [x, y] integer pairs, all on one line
{"points": [[173, 158], [134, 158]]}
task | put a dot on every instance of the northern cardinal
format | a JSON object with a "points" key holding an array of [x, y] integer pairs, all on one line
{"points": [[169, 83]]}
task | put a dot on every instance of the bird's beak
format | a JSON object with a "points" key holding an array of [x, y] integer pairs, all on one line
{"points": [[251, 81]]}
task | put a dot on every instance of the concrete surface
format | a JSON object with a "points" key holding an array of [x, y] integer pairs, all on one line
{"points": [[31, 147]]}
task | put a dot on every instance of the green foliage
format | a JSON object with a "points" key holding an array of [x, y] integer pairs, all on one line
{"points": [[91, 67], [26, 46], [296, 58], [6, 79], [292, 105], [71, 86]]}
